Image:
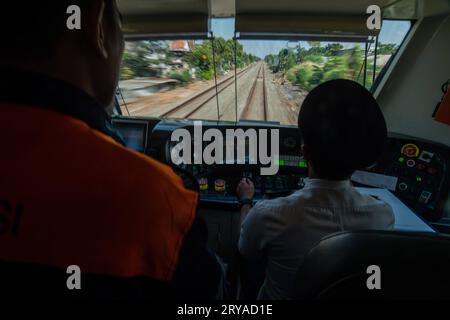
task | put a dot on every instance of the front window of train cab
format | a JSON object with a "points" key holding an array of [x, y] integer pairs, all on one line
{"points": [[195, 79], [182, 78]]}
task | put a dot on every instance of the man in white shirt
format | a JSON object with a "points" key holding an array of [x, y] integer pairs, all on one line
{"points": [[342, 130]]}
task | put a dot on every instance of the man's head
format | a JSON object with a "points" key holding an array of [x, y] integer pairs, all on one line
{"points": [[342, 129], [35, 36]]}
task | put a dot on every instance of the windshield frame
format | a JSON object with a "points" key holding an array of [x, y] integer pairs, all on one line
{"points": [[375, 86]]}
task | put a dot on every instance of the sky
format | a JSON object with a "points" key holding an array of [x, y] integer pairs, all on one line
{"points": [[391, 32]]}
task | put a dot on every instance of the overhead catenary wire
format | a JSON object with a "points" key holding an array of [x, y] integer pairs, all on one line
{"points": [[365, 64], [368, 45], [235, 78], [375, 61], [215, 75]]}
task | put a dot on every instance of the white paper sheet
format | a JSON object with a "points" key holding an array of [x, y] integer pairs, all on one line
{"points": [[375, 180], [405, 219]]}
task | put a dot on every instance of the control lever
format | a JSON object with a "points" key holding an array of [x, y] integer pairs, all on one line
{"points": [[247, 175]]}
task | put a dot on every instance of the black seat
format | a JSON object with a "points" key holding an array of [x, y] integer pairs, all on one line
{"points": [[412, 266]]}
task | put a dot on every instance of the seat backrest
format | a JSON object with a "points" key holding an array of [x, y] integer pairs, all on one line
{"points": [[411, 266]]}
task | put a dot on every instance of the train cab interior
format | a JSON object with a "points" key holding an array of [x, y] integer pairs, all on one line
{"points": [[249, 64], [230, 65]]}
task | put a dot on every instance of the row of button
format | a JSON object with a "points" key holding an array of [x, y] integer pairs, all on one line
{"points": [[290, 158], [411, 163]]}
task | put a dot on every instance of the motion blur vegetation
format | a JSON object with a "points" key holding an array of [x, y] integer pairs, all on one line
{"points": [[308, 68], [157, 59]]}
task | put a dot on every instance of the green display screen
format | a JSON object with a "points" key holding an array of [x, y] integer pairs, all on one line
{"points": [[301, 163]]}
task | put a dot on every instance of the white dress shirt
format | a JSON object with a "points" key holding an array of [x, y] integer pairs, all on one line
{"points": [[283, 230]]}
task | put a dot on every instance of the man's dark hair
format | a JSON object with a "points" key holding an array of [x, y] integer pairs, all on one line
{"points": [[33, 28], [342, 125]]}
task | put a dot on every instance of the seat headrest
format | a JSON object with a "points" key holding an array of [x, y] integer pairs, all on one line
{"points": [[412, 266]]}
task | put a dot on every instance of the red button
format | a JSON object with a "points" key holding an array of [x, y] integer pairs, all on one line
{"points": [[432, 170], [410, 150]]}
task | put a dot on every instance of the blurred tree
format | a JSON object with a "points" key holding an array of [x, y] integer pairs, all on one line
{"points": [[301, 53], [333, 49], [355, 60], [200, 58], [287, 59], [183, 77], [388, 48], [137, 61], [315, 48]]}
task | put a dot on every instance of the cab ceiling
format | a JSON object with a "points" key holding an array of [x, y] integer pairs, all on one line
{"points": [[163, 7], [307, 19], [162, 18], [228, 8], [191, 16], [326, 7]]}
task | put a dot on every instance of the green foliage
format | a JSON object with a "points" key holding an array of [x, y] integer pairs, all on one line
{"points": [[300, 54], [313, 58], [388, 48], [139, 60], [300, 75], [183, 77], [201, 57], [287, 59], [316, 77], [308, 68], [273, 62], [136, 63], [306, 75], [333, 49], [355, 58], [206, 74], [315, 69], [126, 73], [335, 68]]}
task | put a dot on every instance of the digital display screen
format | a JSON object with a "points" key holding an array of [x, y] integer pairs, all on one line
{"points": [[292, 161], [133, 133]]}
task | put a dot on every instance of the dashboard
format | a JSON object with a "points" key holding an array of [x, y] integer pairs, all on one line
{"points": [[419, 174], [415, 171], [218, 182]]}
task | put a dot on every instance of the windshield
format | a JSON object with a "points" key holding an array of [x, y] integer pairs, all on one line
{"points": [[231, 80]]}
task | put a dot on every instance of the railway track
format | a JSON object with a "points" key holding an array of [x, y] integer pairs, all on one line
{"points": [[256, 105], [196, 102]]}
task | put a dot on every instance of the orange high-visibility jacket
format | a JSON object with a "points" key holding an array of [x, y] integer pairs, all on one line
{"points": [[71, 195]]}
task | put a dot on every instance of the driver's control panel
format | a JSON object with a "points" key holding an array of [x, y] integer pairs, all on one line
{"points": [[421, 174], [417, 170], [218, 183]]}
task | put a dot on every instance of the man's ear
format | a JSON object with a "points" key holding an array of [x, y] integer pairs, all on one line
{"points": [[96, 28], [305, 152]]}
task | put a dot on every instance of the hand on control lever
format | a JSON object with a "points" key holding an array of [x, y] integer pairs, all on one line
{"points": [[245, 189]]}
